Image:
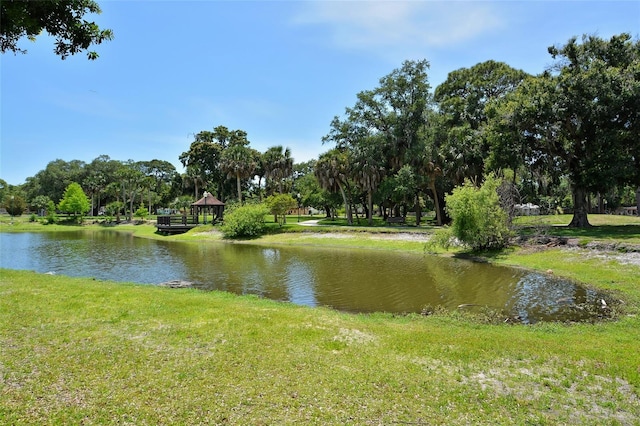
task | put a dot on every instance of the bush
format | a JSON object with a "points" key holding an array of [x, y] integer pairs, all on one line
{"points": [[142, 212], [75, 201], [51, 217], [478, 221], [14, 204], [279, 205], [113, 209], [245, 221]]}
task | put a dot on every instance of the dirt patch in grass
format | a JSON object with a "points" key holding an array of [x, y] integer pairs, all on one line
{"points": [[395, 236], [622, 257], [574, 396], [627, 254]]}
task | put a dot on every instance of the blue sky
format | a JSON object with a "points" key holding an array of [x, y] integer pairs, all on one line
{"points": [[280, 70]]}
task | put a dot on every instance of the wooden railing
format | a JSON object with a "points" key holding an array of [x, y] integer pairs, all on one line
{"points": [[177, 220]]}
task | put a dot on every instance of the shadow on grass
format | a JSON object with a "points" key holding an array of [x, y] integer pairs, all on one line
{"points": [[378, 222], [618, 232]]}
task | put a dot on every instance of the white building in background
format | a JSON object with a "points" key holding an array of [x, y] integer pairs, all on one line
{"points": [[627, 211], [527, 209]]}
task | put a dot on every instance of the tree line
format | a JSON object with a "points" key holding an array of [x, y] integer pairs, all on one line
{"points": [[573, 128], [566, 138]]}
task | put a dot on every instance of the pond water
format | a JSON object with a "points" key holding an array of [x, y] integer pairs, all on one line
{"points": [[349, 280]]}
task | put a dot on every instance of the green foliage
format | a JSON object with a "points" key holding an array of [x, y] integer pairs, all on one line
{"points": [[113, 209], [579, 119], [478, 220], [279, 205], [239, 161], [142, 212], [278, 166], [463, 99], [14, 204], [204, 160], [52, 217], [245, 221], [74, 201], [182, 203], [40, 202], [60, 19]]}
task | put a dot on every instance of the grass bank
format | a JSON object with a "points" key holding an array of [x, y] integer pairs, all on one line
{"points": [[78, 351]]}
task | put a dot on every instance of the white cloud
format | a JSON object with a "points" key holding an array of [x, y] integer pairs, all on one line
{"points": [[406, 25]]}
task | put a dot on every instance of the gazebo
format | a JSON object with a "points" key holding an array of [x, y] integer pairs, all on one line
{"points": [[209, 204]]}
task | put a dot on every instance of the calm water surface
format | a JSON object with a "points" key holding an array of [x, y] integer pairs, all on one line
{"points": [[350, 280]]}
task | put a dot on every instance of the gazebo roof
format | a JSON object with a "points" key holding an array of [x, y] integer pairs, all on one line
{"points": [[210, 201]]}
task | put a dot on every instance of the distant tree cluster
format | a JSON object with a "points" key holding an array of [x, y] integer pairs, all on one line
{"points": [[222, 162], [564, 136], [112, 187]]}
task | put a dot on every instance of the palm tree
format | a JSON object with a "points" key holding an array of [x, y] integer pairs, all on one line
{"points": [[114, 190], [131, 181], [368, 171], [95, 183], [192, 175], [278, 165], [332, 173], [238, 161]]}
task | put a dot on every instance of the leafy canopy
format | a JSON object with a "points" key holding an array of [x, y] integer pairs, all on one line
{"points": [[579, 118], [62, 19], [245, 221], [74, 200], [279, 205], [479, 221]]}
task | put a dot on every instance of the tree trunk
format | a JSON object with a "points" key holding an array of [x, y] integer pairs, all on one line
{"points": [[347, 207], [580, 209], [418, 210], [638, 201], [436, 203], [370, 207], [444, 217], [239, 187], [600, 203]]}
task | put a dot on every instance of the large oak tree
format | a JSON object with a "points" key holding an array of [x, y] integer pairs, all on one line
{"points": [[580, 117]]}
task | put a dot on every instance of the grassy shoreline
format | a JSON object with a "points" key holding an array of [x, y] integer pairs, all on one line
{"points": [[76, 350], [82, 351]]}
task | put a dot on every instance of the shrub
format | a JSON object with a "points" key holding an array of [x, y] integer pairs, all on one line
{"points": [[14, 204], [245, 221], [142, 212], [279, 205], [113, 209], [51, 217], [478, 221], [75, 201]]}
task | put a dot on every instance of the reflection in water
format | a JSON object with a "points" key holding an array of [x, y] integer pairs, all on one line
{"points": [[350, 280]]}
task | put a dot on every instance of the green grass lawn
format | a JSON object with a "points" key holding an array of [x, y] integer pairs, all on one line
{"points": [[606, 228], [80, 351], [77, 351]]}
